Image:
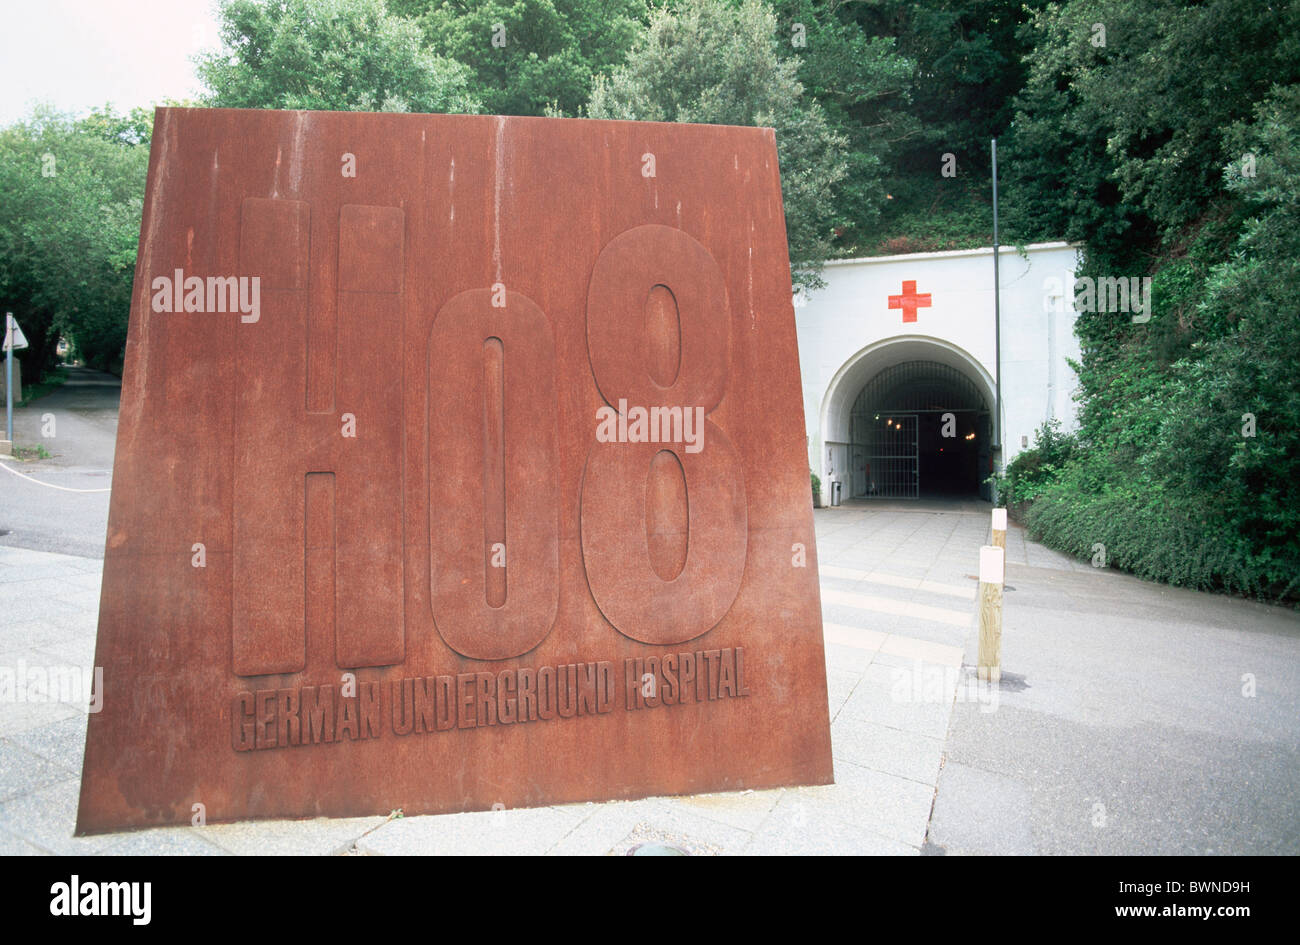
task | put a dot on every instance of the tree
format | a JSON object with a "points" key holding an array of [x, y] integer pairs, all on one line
{"points": [[133, 128], [1231, 429], [69, 228], [348, 55], [864, 86], [1118, 134], [1169, 146], [529, 57], [968, 56], [1118, 144], [966, 59], [717, 63]]}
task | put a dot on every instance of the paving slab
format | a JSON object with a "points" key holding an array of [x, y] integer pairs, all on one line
{"points": [[606, 828], [893, 807], [62, 742], [526, 832], [890, 750], [22, 772], [744, 810], [795, 830], [166, 841], [320, 836], [30, 634], [46, 817], [16, 846]]}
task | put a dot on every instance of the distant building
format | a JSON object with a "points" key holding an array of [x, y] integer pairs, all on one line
{"points": [[898, 361]]}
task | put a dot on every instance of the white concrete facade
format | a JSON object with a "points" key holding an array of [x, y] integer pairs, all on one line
{"points": [[848, 334]]}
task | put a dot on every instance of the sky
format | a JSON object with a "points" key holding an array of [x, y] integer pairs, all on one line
{"points": [[77, 54]]}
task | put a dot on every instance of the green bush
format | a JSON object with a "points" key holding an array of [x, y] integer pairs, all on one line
{"points": [[1034, 469], [1175, 539]]}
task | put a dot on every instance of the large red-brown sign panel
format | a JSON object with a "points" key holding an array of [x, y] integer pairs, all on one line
{"points": [[460, 465]]}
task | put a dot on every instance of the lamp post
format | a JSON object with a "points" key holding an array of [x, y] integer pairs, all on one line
{"points": [[995, 450]]}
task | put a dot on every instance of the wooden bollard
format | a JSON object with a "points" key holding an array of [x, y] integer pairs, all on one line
{"points": [[999, 528], [992, 569]]}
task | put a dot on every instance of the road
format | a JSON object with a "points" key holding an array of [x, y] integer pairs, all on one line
{"points": [[77, 424], [1134, 719]]}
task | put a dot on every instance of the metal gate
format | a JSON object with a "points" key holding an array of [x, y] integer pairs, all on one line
{"points": [[890, 446], [884, 428]]}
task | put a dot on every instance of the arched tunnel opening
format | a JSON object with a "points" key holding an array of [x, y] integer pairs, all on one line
{"points": [[919, 429]]}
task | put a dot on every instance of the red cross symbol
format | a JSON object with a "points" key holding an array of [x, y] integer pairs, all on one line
{"points": [[909, 301]]}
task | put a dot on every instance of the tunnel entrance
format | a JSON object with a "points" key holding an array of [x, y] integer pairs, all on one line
{"points": [[919, 429]]}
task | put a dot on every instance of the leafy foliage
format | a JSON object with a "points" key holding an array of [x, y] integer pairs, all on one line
{"points": [[1121, 145], [1189, 443], [347, 55], [721, 64], [69, 227], [529, 57], [968, 59], [1034, 469], [863, 84]]}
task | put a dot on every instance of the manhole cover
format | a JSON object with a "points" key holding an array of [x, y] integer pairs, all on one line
{"points": [[656, 849]]}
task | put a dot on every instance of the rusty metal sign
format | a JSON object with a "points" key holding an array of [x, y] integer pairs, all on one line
{"points": [[460, 464]]}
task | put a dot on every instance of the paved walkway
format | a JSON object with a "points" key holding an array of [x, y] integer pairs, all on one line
{"points": [[897, 609]]}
